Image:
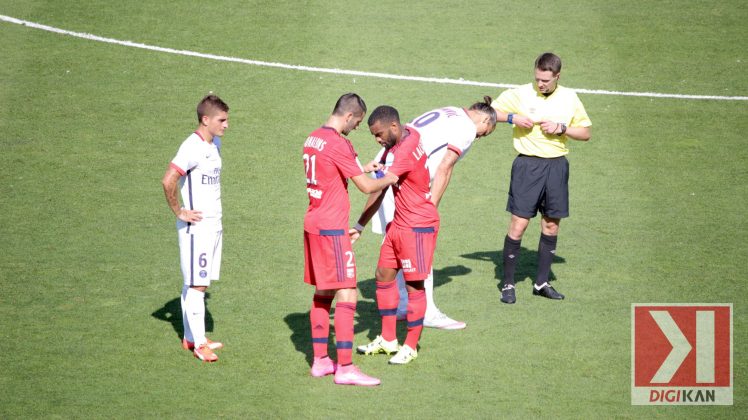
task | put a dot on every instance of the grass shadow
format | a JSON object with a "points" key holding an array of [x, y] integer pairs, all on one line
{"points": [[171, 312], [368, 290], [527, 266], [301, 333], [366, 319]]}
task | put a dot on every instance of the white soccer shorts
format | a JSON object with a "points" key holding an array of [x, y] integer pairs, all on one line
{"points": [[200, 255]]}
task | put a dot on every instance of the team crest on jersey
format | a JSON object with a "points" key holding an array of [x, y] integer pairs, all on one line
{"points": [[203, 274], [314, 193], [407, 266]]}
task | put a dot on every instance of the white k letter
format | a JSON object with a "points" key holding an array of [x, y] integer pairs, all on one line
{"points": [[680, 344]]}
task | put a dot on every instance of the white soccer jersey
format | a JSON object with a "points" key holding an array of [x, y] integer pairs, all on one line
{"points": [[199, 163], [443, 129]]}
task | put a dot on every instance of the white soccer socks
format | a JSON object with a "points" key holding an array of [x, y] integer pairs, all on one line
{"points": [[194, 307], [185, 322]]}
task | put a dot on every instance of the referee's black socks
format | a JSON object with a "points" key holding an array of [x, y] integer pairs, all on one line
{"points": [[546, 251], [511, 256]]}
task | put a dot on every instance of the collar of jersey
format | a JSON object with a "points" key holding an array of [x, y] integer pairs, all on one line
{"points": [[201, 137]]}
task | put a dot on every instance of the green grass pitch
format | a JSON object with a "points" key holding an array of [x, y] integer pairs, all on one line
{"points": [[89, 273]]}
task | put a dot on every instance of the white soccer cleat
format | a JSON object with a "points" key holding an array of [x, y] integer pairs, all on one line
{"points": [[379, 345], [404, 356], [441, 321]]}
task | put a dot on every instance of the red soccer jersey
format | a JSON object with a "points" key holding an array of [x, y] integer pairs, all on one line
{"points": [[413, 206], [329, 159]]}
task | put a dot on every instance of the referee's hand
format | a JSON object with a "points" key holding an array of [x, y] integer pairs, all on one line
{"points": [[550, 127], [522, 121]]}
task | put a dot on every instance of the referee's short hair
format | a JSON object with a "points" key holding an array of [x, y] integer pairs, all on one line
{"points": [[548, 62]]}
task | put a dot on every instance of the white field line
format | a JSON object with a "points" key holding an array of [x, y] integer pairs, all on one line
{"points": [[343, 71]]}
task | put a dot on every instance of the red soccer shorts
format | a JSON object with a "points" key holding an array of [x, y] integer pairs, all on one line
{"points": [[409, 249], [329, 262]]}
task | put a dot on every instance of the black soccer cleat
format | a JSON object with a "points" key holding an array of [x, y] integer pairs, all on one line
{"points": [[508, 295], [547, 291]]}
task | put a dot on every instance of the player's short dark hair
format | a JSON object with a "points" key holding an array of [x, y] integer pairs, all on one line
{"points": [[384, 114], [210, 104], [548, 62], [349, 102], [485, 108]]}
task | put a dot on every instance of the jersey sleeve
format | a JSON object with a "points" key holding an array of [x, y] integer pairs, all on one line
{"points": [[402, 161], [460, 140], [455, 149], [346, 160], [507, 102], [185, 159], [580, 117], [462, 137]]}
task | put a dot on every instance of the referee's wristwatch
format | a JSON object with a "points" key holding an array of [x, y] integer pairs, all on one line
{"points": [[563, 129]]}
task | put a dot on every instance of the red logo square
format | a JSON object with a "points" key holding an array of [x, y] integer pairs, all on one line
{"points": [[681, 354]]}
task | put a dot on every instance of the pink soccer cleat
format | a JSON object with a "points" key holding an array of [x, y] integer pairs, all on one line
{"points": [[205, 354], [189, 345], [350, 375], [323, 366]]}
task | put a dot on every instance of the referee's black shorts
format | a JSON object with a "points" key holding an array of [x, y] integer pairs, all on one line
{"points": [[539, 184]]}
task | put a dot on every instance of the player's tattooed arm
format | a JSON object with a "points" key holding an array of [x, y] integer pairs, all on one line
{"points": [[169, 182]]}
